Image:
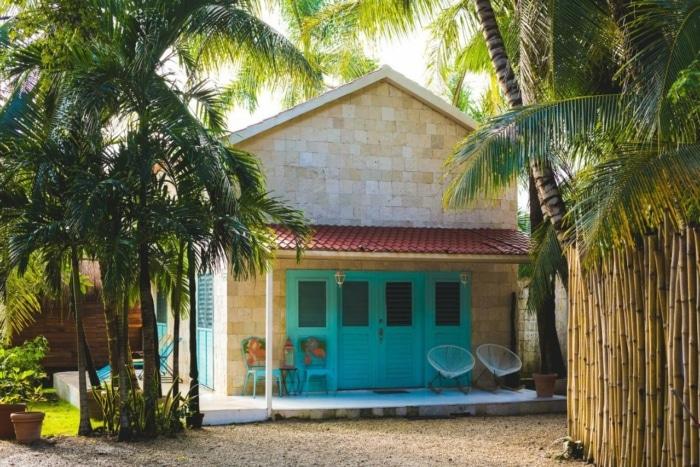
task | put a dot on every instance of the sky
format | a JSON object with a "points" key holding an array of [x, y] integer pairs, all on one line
{"points": [[407, 56]]}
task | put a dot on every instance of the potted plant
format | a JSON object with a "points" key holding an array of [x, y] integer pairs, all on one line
{"points": [[21, 378], [544, 383]]}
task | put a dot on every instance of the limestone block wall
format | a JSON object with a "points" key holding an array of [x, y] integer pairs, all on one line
{"points": [[492, 285], [372, 158], [528, 338]]}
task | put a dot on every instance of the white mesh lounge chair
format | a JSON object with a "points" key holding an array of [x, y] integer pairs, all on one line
{"points": [[498, 360], [450, 362]]}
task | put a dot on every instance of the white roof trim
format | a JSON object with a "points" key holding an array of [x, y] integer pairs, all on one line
{"points": [[433, 257], [385, 73]]}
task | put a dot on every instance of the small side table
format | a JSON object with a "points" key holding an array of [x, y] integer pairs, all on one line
{"points": [[290, 381]]}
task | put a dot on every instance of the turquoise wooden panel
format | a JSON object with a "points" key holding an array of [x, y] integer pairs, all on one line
{"points": [[162, 330], [401, 346], [205, 357], [357, 354], [447, 334], [205, 334], [328, 333]]}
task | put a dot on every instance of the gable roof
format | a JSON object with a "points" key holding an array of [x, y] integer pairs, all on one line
{"points": [[385, 73]]}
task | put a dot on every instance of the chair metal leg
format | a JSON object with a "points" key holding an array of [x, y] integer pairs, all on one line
{"points": [[245, 383], [431, 384], [255, 386]]}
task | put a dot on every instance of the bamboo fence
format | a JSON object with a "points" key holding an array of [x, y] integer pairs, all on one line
{"points": [[633, 352]]}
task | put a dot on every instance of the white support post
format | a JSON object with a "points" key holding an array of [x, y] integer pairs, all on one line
{"points": [[268, 342]]}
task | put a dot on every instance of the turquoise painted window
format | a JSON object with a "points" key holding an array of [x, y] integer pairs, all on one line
{"points": [[312, 304], [205, 301], [447, 299], [356, 304], [399, 303]]}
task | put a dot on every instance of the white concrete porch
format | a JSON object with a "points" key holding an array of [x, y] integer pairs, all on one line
{"points": [[355, 404], [223, 410]]}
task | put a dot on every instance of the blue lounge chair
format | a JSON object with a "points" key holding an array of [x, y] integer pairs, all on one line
{"points": [[165, 350]]}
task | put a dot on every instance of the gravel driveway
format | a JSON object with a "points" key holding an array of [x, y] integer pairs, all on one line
{"points": [[500, 441]]}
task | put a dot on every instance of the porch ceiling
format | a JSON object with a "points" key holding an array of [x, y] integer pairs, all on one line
{"points": [[411, 240]]}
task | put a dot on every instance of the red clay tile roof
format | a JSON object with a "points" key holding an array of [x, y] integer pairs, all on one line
{"points": [[410, 240]]}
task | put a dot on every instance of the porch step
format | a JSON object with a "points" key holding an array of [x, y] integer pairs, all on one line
{"points": [[555, 405]]}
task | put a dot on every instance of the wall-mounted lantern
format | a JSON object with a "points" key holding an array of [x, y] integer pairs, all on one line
{"points": [[339, 278]]}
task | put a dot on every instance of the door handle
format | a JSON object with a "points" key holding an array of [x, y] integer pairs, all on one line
{"points": [[381, 334]]}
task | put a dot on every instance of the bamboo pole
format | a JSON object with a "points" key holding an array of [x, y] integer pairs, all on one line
{"points": [[634, 344]]}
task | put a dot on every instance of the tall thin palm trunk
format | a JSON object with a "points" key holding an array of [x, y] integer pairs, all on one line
{"points": [[150, 371], [89, 362], [548, 193], [112, 329], [195, 420], [84, 428], [126, 383], [176, 305], [542, 184]]}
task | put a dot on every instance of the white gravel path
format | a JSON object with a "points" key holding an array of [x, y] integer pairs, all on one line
{"points": [[477, 441]]}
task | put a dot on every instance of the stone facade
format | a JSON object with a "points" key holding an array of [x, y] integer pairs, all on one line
{"points": [[372, 158]]}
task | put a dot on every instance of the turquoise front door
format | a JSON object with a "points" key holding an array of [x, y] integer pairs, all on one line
{"points": [[379, 325], [400, 333], [358, 343], [380, 335]]}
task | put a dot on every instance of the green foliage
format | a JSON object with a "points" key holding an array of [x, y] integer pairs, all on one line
{"points": [[171, 410], [333, 50], [21, 373]]}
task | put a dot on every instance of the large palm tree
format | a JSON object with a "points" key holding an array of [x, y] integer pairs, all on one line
{"points": [[44, 152], [164, 124], [334, 51]]}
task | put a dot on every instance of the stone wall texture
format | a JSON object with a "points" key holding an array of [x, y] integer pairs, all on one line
{"points": [[528, 338], [372, 158]]}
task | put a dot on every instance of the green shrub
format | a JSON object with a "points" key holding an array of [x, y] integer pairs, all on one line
{"points": [[171, 410], [21, 373]]}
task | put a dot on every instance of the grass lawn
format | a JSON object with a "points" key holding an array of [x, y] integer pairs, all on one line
{"points": [[61, 417]]}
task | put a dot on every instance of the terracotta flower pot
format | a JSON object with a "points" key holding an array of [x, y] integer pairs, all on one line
{"points": [[7, 431], [544, 384], [27, 426]]}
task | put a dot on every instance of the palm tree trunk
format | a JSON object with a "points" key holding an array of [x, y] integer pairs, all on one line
{"points": [[112, 330], [125, 432], [548, 193], [84, 428], [551, 358], [176, 304], [150, 371], [89, 362], [195, 420]]}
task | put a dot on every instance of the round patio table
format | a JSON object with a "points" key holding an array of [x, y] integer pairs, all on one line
{"points": [[291, 381]]}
